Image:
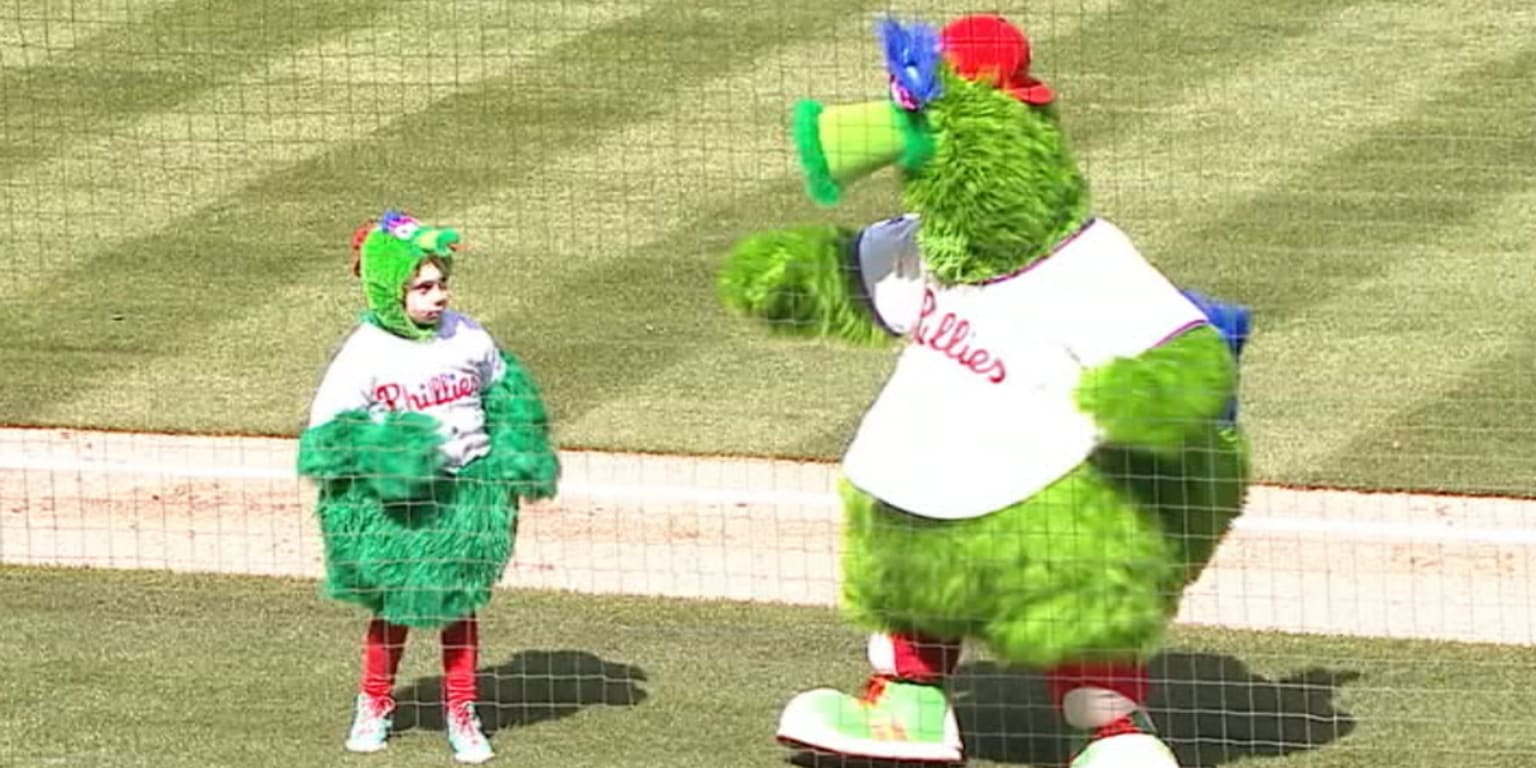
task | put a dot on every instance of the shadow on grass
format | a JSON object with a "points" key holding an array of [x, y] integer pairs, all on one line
{"points": [[531, 687], [1211, 710]]}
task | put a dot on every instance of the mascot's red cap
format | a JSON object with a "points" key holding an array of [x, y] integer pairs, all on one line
{"points": [[987, 48]]}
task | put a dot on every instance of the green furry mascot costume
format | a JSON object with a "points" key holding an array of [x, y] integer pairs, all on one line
{"points": [[423, 437], [1055, 456], [419, 482]]}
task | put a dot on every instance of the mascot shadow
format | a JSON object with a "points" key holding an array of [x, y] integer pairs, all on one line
{"points": [[1210, 709], [531, 687]]}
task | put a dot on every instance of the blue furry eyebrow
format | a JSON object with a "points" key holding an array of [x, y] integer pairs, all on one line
{"points": [[912, 56], [389, 218]]}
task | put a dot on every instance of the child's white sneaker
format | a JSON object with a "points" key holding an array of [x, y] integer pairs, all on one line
{"points": [[370, 724], [464, 735]]}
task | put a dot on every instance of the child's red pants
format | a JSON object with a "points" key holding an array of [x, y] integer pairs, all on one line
{"points": [[385, 643]]}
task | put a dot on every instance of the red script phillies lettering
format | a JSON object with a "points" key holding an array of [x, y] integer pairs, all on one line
{"points": [[949, 339], [438, 390]]}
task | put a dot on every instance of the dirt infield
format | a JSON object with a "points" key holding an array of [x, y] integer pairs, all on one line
{"points": [[1332, 562]]}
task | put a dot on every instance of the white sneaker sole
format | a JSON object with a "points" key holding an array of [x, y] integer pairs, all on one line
{"points": [[800, 727], [366, 747], [473, 758], [1132, 750]]}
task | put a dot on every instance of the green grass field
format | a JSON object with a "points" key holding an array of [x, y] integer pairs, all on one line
{"points": [[147, 669], [181, 177]]}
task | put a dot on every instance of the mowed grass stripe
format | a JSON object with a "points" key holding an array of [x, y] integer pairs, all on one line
{"points": [[1421, 376], [88, 297], [1382, 274], [439, 160], [1132, 71], [1190, 182], [170, 164], [1446, 403], [1474, 436], [34, 32], [151, 65]]}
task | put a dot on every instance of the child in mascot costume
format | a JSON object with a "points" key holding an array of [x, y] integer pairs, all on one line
{"points": [[422, 438], [1055, 456]]}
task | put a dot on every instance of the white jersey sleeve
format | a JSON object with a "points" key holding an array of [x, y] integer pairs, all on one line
{"points": [[492, 367], [346, 385], [888, 272]]}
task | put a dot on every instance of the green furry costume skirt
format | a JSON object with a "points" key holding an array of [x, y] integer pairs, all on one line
{"points": [[1092, 568], [423, 563]]}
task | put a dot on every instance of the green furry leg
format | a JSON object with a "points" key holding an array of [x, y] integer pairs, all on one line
{"points": [[1076, 573], [1196, 494], [423, 563]]}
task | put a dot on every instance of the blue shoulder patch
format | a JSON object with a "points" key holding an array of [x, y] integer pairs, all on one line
{"points": [[1234, 322]]}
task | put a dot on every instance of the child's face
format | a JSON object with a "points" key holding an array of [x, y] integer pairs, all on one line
{"points": [[426, 296]]}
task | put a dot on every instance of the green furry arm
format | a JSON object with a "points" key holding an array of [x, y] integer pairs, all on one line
{"points": [[798, 281], [1158, 398], [398, 456], [518, 425]]}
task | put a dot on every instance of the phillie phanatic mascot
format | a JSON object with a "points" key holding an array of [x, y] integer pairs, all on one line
{"points": [[1055, 456]]}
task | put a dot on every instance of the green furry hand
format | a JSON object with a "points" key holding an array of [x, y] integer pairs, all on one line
{"points": [[398, 456], [532, 475], [1157, 399], [402, 456], [797, 281], [518, 425]]}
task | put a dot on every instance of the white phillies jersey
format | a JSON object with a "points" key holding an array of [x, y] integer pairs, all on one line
{"points": [[443, 377], [980, 410]]}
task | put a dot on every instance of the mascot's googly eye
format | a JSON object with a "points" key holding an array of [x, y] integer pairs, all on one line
{"points": [[902, 96], [404, 229], [399, 225], [912, 57]]}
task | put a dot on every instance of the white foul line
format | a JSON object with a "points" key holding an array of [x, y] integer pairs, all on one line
{"points": [[1355, 530]]}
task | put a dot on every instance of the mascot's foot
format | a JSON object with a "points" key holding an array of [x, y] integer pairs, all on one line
{"points": [[1125, 743], [892, 721]]}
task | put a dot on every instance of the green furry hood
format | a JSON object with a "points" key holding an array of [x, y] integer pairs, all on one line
{"points": [[983, 159], [389, 252]]}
